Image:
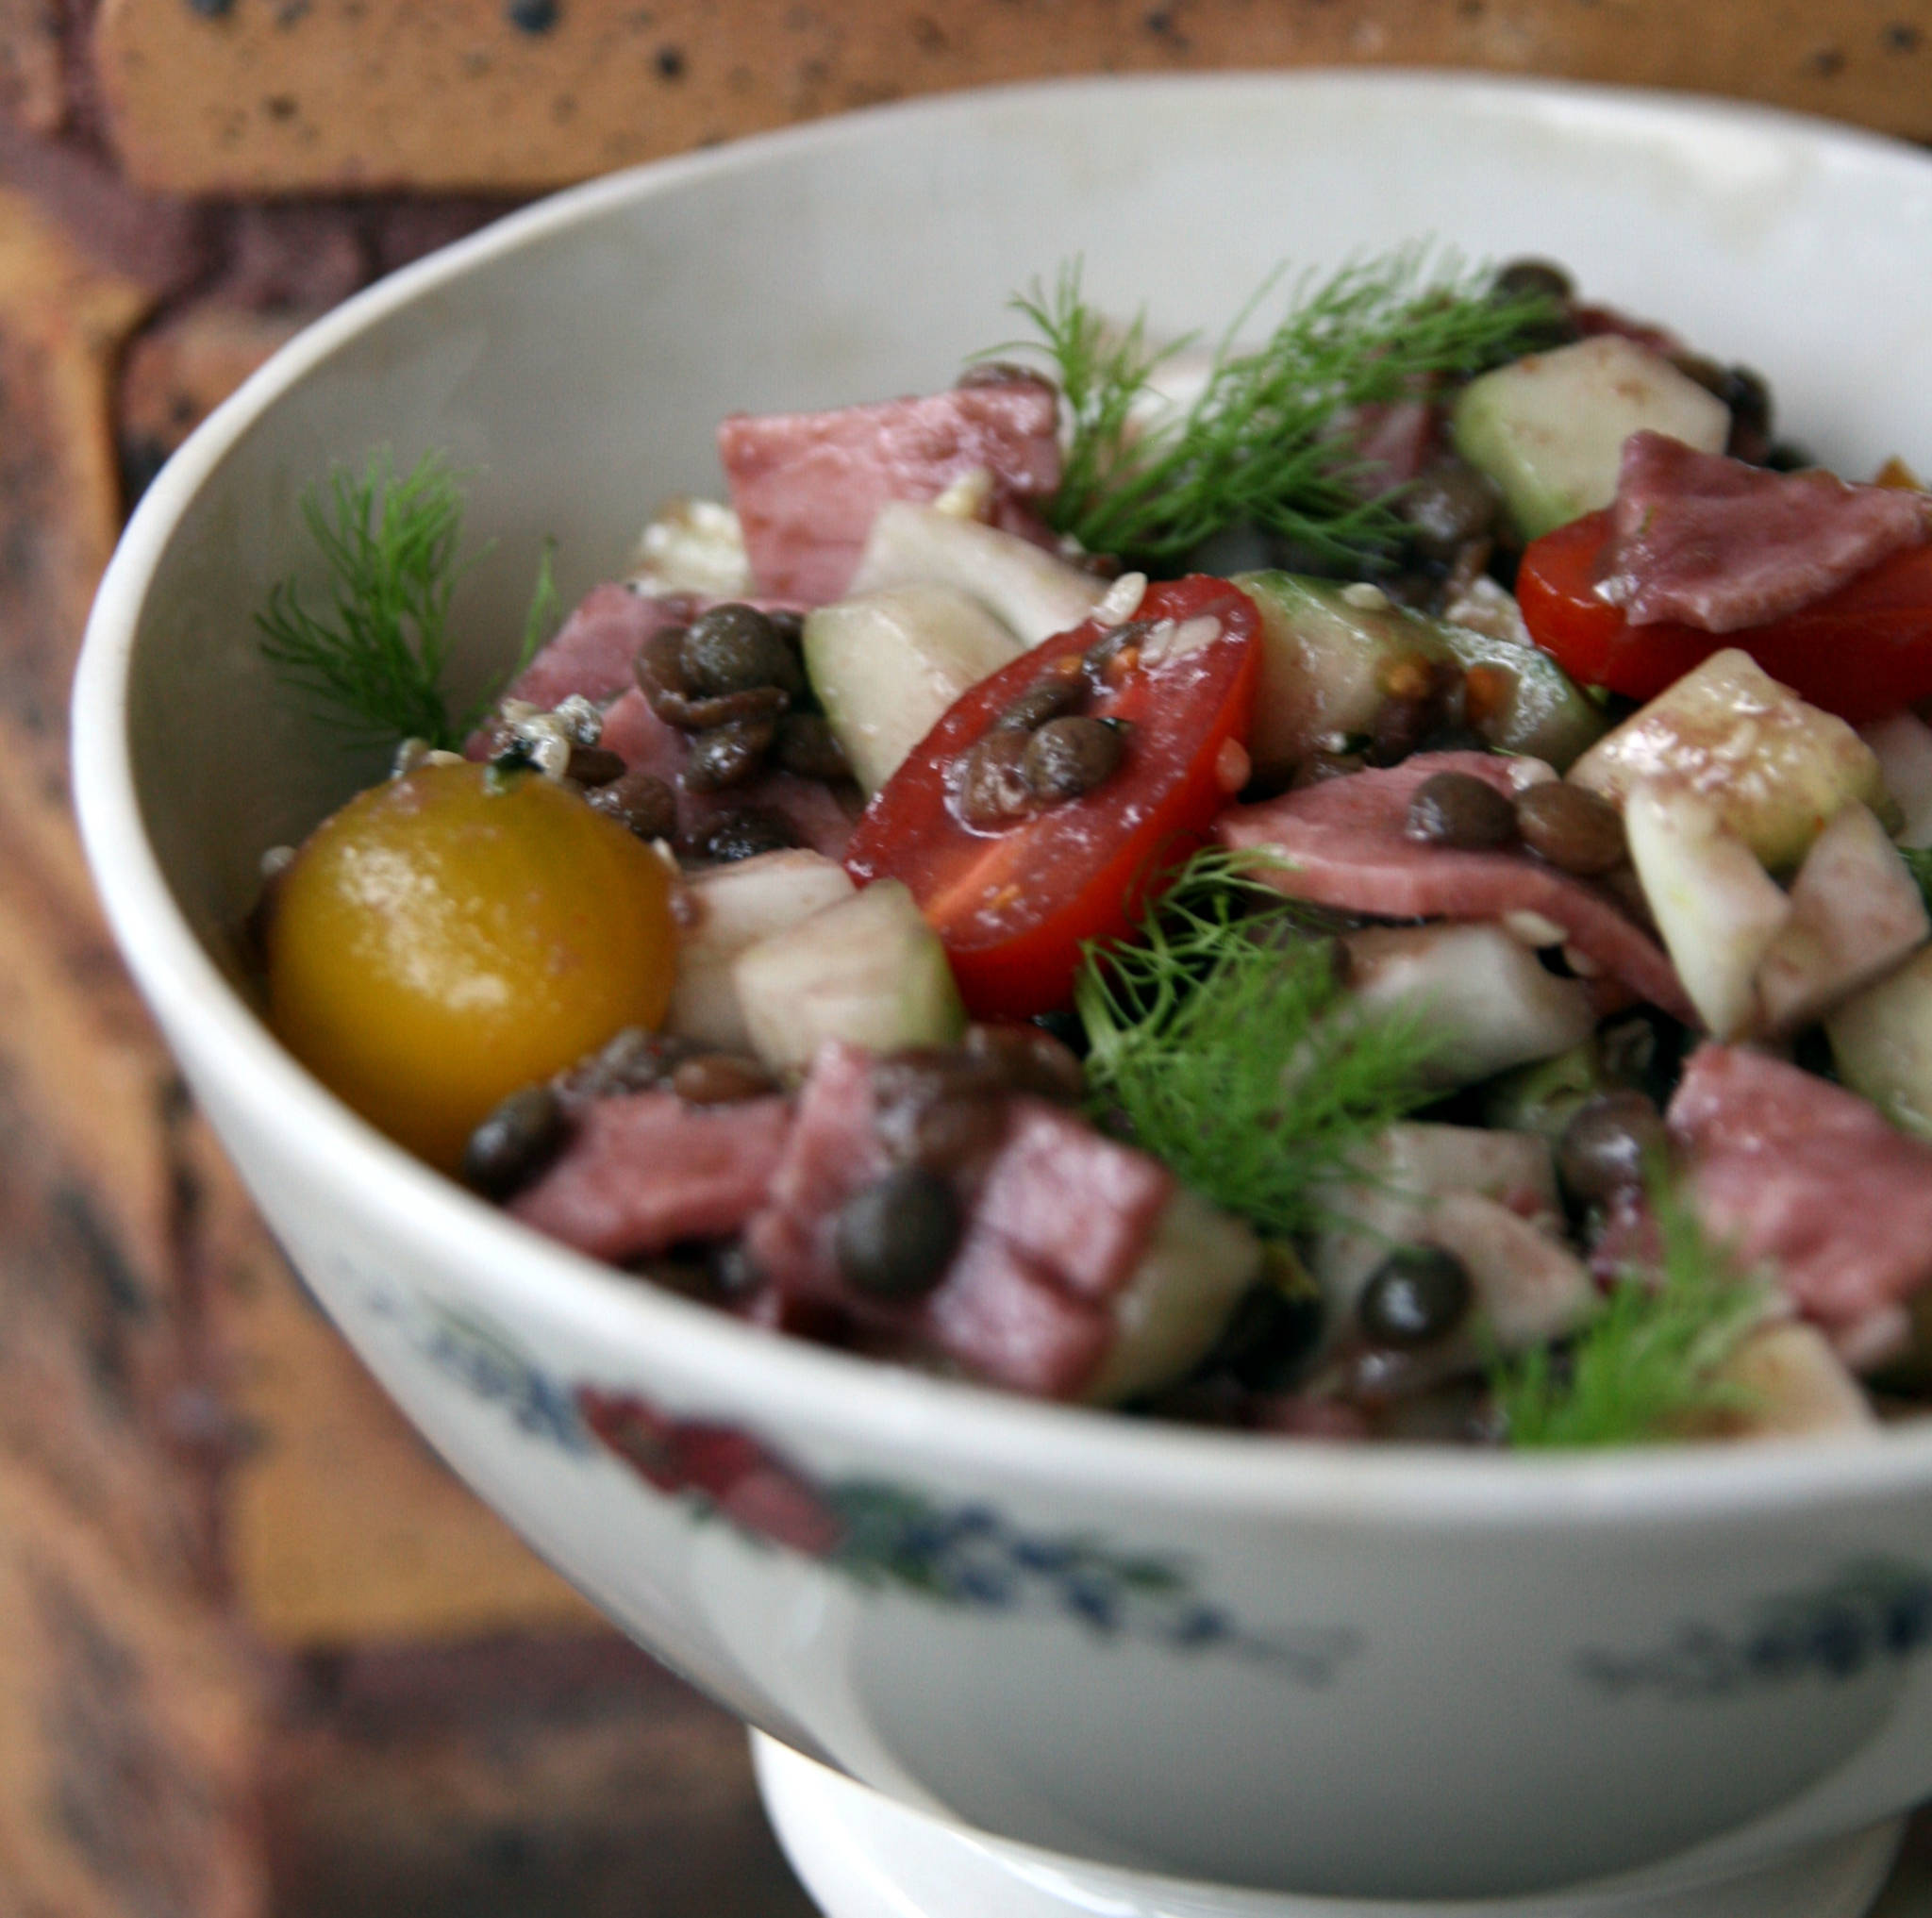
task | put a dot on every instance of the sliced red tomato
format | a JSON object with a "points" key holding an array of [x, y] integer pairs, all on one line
{"points": [[1861, 652], [1013, 904]]}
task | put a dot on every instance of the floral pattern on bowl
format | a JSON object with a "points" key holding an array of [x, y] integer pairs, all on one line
{"points": [[1873, 1612], [877, 1533]]}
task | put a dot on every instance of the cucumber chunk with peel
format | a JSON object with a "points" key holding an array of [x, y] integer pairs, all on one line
{"points": [[886, 666], [1550, 430], [1326, 650], [1023, 585], [727, 909], [1775, 767], [1716, 908], [868, 970]]}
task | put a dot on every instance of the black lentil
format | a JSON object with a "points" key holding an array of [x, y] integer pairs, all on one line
{"points": [[1459, 813], [515, 1143], [1040, 703], [593, 765], [1447, 505], [1067, 758], [990, 789], [808, 746], [894, 1238], [735, 648], [1417, 1295], [1575, 829], [640, 801], [1608, 1145], [727, 755], [743, 833]]}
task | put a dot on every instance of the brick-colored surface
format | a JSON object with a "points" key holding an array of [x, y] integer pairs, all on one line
{"points": [[128, 1733], [130, 1722], [33, 92], [508, 96], [342, 1526], [515, 1778], [177, 372]]}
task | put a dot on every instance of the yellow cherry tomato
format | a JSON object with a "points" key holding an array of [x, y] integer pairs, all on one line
{"points": [[449, 937]]}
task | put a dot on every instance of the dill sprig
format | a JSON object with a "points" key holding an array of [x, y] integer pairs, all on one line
{"points": [[1648, 1369], [374, 658], [1224, 1036], [1258, 447]]}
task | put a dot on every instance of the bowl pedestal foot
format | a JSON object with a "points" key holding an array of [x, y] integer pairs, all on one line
{"points": [[865, 1856]]}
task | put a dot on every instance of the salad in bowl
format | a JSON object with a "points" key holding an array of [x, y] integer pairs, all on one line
{"points": [[1364, 886], [1086, 1077]]}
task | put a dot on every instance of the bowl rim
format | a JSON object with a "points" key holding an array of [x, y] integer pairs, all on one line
{"points": [[798, 1385]]}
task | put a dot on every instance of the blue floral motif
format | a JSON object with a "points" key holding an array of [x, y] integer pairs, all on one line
{"points": [[877, 1533], [1874, 1612]]}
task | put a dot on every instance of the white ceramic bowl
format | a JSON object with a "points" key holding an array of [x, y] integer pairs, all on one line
{"points": [[1391, 1673]]}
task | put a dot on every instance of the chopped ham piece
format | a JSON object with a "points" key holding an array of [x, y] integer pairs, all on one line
{"points": [[644, 1171], [1385, 444], [1345, 847], [820, 816], [592, 650], [806, 486], [1711, 543], [1797, 1172], [1053, 1233]]}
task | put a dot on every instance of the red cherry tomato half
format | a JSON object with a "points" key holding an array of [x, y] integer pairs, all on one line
{"points": [[1014, 904], [1861, 652]]}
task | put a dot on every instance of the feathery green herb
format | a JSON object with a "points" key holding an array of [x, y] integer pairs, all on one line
{"points": [[1224, 1035], [1918, 859], [1647, 1369], [375, 658], [1258, 446]]}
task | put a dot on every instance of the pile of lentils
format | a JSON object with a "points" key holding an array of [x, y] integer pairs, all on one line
{"points": [[734, 682], [1576, 830], [1045, 748]]}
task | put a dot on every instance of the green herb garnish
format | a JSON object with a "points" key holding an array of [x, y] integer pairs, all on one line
{"points": [[1646, 1371], [1257, 447], [1224, 1036], [374, 659], [1919, 861]]}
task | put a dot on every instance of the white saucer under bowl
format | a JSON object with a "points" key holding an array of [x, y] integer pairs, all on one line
{"points": [[862, 1855]]}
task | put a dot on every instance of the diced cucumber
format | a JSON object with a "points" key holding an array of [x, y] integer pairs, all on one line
{"points": [[886, 666], [1550, 430], [1198, 1263], [1774, 767], [1789, 1383], [733, 907], [1857, 916], [1717, 909], [1488, 1000], [1403, 1174], [1881, 1042], [1023, 585], [1545, 1096], [1326, 649], [868, 970]]}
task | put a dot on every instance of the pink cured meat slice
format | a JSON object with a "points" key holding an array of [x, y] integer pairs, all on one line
{"points": [[816, 814], [1797, 1171], [1721, 546], [592, 650], [808, 486], [1346, 848], [644, 1171], [1053, 1235]]}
